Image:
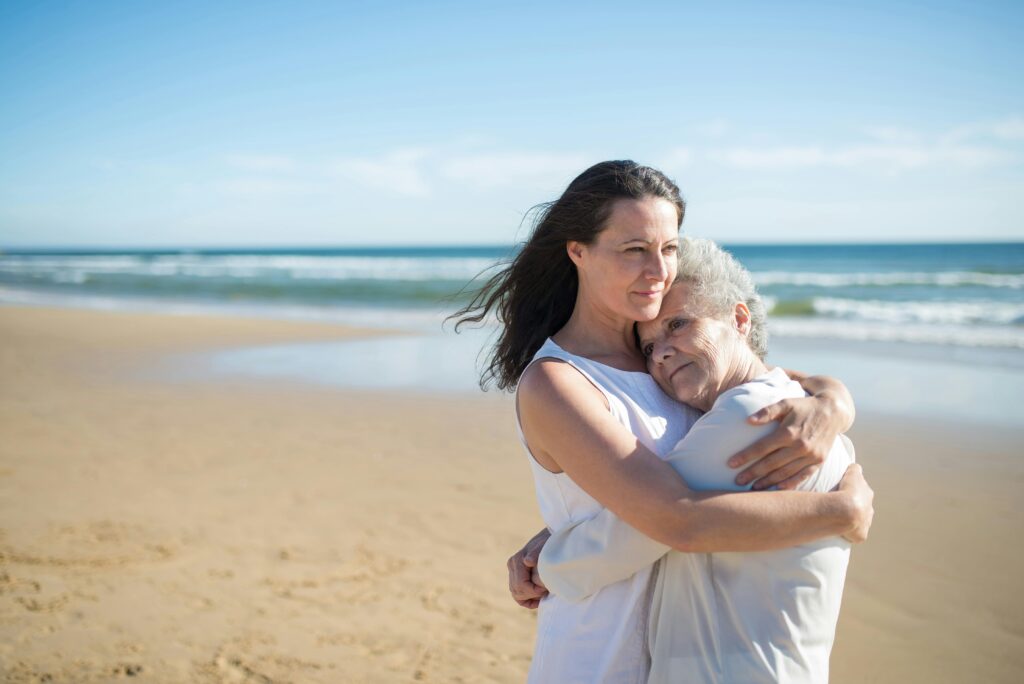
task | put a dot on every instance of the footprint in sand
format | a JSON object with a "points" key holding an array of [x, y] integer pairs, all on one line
{"points": [[247, 660], [351, 578], [97, 544]]}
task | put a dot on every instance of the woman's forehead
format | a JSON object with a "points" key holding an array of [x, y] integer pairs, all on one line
{"points": [[676, 301], [649, 217], [677, 298]]}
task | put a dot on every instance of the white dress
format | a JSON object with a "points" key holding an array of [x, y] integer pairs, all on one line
{"points": [[601, 638], [762, 617]]}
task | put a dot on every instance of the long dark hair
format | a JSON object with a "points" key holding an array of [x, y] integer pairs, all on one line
{"points": [[534, 295]]}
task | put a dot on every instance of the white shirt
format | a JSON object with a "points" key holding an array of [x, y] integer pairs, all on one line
{"points": [[722, 617], [601, 637]]}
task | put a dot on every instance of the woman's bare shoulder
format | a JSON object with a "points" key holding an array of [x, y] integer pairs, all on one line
{"points": [[551, 381]]}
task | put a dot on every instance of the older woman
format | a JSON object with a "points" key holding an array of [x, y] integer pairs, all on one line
{"points": [[719, 617], [594, 423]]}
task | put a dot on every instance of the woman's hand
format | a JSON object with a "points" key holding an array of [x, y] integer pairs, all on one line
{"points": [[792, 453], [862, 509], [523, 580]]}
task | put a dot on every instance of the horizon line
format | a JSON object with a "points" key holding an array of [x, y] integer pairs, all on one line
{"points": [[51, 249]]}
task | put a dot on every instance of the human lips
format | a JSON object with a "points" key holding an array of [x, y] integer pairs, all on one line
{"points": [[675, 371], [649, 293]]}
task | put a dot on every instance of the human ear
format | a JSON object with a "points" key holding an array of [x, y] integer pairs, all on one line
{"points": [[575, 251], [741, 318]]}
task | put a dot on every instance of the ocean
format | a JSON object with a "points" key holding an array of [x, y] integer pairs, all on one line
{"points": [[963, 295], [923, 331]]}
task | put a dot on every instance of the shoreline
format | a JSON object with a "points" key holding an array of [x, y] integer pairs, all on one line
{"points": [[221, 528]]}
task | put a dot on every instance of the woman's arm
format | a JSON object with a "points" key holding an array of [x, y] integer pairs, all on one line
{"points": [[577, 561], [583, 558], [576, 566], [807, 429], [566, 422], [833, 392]]}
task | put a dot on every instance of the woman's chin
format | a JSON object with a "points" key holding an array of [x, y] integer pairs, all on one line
{"points": [[686, 393], [647, 311]]}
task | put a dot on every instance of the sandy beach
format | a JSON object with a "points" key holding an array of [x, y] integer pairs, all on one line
{"points": [[243, 530]]}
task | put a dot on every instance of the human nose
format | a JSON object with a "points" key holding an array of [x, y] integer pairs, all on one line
{"points": [[662, 351], [657, 267]]}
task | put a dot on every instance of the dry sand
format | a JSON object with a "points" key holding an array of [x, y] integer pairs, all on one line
{"points": [[249, 531]]}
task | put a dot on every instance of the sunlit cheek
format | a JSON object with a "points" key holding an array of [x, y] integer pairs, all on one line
{"points": [[663, 383], [713, 355], [673, 268]]}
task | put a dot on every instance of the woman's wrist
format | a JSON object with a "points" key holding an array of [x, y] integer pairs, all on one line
{"points": [[833, 394], [849, 512], [857, 514]]}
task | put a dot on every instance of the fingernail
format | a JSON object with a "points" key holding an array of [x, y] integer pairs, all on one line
{"points": [[733, 462], [742, 480]]}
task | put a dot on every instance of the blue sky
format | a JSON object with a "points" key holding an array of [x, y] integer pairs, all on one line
{"points": [[186, 124]]}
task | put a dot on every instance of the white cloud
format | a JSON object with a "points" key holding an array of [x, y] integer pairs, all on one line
{"points": [[499, 169], [893, 134], [397, 171], [261, 187], [677, 158], [422, 172], [768, 157], [1009, 129], [885, 156], [890, 149], [912, 215], [141, 165], [914, 156], [410, 171], [889, 156]]}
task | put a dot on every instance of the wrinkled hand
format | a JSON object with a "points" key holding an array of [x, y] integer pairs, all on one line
{"points": [[523, 580], [862, 498], [796, 449]]}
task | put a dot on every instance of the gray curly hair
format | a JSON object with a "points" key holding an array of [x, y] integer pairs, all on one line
{"points": [[717, 282]]}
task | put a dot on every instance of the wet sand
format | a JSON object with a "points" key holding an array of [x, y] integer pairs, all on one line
{"points": [[208, 529]]}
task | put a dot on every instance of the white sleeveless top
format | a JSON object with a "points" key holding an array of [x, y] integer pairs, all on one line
{"points": [[719, 618], [604, 637]]}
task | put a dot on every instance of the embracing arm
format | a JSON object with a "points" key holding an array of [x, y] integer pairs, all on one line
{"points": [[566, 422], [577, 561], [834, 392], [807, 428]]}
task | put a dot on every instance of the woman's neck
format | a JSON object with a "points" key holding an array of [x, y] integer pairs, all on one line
{"points": [[746, 367], [595, 333]]}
